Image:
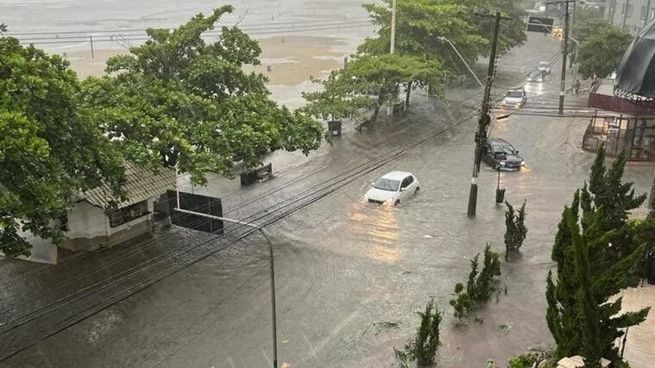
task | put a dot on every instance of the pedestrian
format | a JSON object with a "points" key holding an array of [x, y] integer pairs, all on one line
{"points": [[576, 86]]}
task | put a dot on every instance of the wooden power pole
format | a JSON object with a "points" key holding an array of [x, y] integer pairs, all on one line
{"points": [[483, 123]]}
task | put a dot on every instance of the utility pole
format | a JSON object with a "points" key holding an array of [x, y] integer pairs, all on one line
{"points": [[565, 52], [483, 123]]}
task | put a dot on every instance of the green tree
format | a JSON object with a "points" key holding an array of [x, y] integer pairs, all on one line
{"points": [[597, 256], [480, 285], [179, 100], [512, 30], [419, 26], [423, 347], [50, 150], [515, 229], [348, 90], [601, 52]]}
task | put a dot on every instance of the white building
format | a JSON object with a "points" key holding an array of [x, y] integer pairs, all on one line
{"points": [[101, 220]]}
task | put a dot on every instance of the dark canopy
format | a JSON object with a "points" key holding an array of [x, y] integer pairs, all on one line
{"points": [[636, 74]]}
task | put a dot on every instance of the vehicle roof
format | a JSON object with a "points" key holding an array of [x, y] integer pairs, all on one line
{"points": [[396, 175], [544, 62], [498, 141]]}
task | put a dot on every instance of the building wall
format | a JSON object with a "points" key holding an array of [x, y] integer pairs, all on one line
{"points": [[89, 228], [630, 15]]}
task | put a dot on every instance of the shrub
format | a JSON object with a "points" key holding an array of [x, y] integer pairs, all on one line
{"points": [[480, 285], [515, 229], [423, 348]]}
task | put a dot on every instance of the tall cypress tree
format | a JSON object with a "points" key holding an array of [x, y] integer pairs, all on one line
{"points": [[597, 256]]}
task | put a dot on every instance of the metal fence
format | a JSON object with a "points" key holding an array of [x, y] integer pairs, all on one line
{"points": [[633, 134]]}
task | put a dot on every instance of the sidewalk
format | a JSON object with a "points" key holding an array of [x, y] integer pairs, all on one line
{"points": [[640, 344]]}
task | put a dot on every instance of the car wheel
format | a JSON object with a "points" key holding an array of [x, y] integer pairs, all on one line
{"points": [[396, 203]]}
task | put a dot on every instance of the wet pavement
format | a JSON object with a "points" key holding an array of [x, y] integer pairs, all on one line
{"points": [[345, 270]]}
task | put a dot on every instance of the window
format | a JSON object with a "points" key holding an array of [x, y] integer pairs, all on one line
{"points": [[628, 10], [407, 182], [126, 214], [644, 12]]}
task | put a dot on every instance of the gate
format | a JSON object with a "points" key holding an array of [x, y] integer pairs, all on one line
{"points": [[196, 203]]}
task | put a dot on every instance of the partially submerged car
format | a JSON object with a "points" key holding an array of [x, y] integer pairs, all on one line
{"points": [[501, 155], [544, 67], [393, 187], [515, 98]]}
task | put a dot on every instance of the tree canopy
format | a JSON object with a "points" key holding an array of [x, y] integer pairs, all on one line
{"points": [[183, 100], [419, 26], [601, 49], [49, 148], [368, 81], [597, 253]]}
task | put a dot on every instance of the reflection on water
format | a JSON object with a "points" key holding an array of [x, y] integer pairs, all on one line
{"points": [[379, 225], [534, 89]]}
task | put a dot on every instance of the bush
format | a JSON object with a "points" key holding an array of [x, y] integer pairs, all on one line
{"points": [[423, 348], [515, 229], [479, 287], [528, 360]]}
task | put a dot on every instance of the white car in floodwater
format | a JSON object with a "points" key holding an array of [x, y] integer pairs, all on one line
{"points": [[393, 187]]}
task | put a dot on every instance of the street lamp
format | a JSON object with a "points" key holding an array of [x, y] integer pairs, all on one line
{"points": [[441, 38], [271, 266]]}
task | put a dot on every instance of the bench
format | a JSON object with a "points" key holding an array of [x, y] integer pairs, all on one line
{"points": [[259, 174]]}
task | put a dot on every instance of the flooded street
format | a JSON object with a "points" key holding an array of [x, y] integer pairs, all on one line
{"points": [[350, 275]]}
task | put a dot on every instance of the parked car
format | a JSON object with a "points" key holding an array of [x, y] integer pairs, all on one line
{"points": [[501, 155], [515, 98], [393, 187], [544, 67]]}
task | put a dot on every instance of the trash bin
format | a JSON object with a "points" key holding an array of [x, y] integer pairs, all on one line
{"points": [[334, 127], [650, 268], [500, 195]]}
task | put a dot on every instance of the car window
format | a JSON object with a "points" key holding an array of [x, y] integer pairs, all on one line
{"points": [[515, 94], [408, 181], [387, 184], [507, 149]]}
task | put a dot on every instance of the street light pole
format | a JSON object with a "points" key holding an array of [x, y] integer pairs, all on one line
{"points": [[270, 260], [441, 38], [392, 46]]}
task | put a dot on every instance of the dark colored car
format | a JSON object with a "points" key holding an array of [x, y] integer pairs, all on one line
{"points": [[501, 155]]}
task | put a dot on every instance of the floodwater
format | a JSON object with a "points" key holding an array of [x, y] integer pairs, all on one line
{"points": [[68, 23], [349, 275]]}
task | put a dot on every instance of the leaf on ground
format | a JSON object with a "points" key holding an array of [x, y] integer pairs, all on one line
{"points": [[505, 328]]}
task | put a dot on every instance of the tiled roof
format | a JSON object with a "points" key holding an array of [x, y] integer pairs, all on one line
{"points": [[140, 184]]}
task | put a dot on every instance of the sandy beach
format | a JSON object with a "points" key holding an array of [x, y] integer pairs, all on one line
{"points": [[293, 60]]}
